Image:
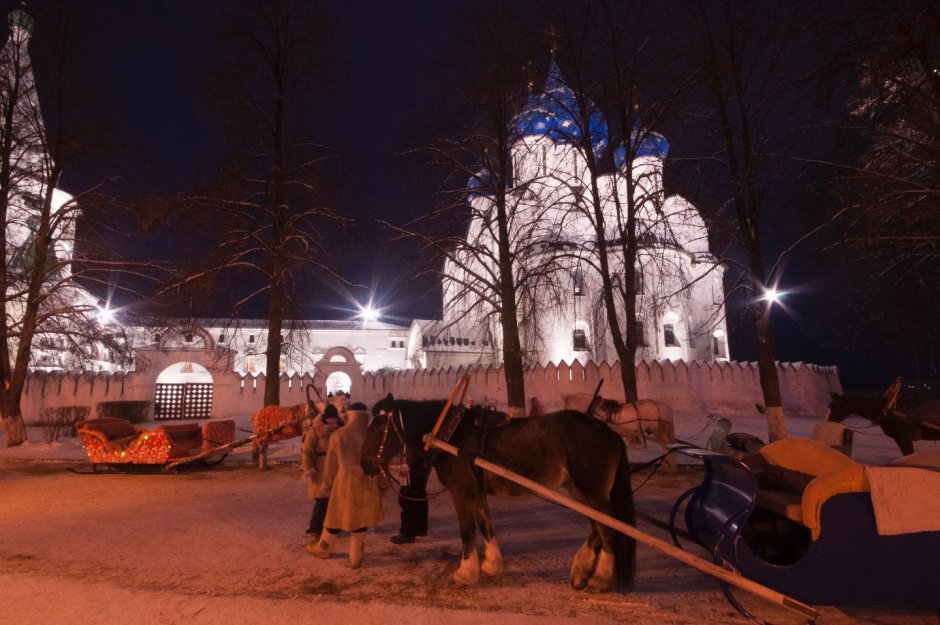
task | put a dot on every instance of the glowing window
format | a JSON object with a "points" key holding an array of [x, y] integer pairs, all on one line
{"points": [[669, 335]]}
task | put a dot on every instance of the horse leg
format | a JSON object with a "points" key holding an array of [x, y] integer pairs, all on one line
{"points": [[260, 454], [603, 576], [902, 433], [468, 573], [600, 479], [905, 443], [585, 560], [492, 556], [666, 434]]}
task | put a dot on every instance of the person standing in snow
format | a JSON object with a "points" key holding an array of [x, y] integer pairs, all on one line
{"points": [[413, 500], [354, 501], [312, 460]]}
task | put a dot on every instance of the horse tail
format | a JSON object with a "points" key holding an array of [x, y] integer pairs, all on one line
{"points": [[621, 503]]}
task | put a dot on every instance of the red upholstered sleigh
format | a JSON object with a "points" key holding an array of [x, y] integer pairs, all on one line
{"points": [[116, 443]]}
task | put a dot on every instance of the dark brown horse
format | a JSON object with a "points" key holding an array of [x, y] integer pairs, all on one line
{"points": [[910, 420], [561, 449]]}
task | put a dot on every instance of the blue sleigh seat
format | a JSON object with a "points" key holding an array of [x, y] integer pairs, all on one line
{"points": [[834, 552]]}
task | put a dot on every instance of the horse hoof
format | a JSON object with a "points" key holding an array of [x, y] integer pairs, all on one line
{"points": [[492, 569], [462, 580], [595, 585], [578, 583]]}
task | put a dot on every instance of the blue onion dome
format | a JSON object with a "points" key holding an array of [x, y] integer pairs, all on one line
{"points": [[553, 112], [20, 19], [650, 144], [480, 183]]}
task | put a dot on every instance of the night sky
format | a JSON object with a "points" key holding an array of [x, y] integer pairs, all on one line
{"points": [[389, 60], [374, 103]]}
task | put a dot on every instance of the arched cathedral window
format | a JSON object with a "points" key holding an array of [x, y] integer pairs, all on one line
{"points": [[669, 335], [579, 337]]}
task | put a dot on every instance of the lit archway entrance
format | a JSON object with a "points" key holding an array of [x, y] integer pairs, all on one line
{"points": [[183, 391], [340, 371], [338, 382]]}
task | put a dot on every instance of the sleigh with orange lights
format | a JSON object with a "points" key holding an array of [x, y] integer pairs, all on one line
{"points": [[116, 444]]}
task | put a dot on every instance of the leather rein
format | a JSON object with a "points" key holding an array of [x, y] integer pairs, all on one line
{"points": [[396, 423]]}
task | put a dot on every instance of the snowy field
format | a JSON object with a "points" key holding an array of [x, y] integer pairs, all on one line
{"points": [[225, 545]]}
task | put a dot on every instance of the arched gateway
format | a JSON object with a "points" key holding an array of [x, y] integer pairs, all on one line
{"points": [[183, 391], [339, 371]]}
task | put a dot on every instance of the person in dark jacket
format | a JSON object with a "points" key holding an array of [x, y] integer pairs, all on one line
{"points": [[413, 500]]}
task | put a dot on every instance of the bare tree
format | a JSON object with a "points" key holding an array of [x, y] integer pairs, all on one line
{"points": [[744, 62], [892, 184], [609, 57], [49, 244], [268, 235], [478, 236]]}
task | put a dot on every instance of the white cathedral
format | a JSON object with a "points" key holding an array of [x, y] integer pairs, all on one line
{"points": [[680, 299], [680, 293]]}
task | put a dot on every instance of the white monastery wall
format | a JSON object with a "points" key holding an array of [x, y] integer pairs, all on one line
{"points": [[719, 387]]}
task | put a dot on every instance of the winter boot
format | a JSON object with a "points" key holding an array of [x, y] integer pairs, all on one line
{"points": [[357, 541], [321, 549]]}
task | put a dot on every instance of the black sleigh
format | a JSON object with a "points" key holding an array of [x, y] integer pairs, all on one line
{"points": [[807, 521]]}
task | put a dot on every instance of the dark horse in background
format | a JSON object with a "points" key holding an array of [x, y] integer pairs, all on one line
{"points": [[911, 419], [561, 449]]}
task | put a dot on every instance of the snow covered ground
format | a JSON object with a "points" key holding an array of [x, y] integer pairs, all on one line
{"points": [[225, 545]]}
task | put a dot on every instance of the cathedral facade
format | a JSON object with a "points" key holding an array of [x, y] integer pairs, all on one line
{"points": [[553, 240]]}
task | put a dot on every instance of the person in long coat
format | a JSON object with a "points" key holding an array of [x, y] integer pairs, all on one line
{"points": [[312, 461], [355, 504]]}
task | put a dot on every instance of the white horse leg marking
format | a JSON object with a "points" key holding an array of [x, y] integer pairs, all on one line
{"points": [[583, 566], [492, 558], [603, 574], [468, 573]]}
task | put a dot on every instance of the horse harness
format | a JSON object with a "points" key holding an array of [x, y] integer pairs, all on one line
{"points": [[488, 419], [396, 422]]}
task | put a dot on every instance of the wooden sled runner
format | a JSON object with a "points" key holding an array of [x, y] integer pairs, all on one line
{"points": [[116, 444], [810, 522]]}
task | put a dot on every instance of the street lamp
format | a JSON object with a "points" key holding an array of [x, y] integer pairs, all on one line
{"points": [[105, 314], [772, 295], [367, 313]]}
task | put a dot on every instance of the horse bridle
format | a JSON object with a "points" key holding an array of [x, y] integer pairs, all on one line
{"points": [[398, 426], [395, 421]]}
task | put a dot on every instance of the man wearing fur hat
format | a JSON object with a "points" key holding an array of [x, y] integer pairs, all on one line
{"points": [[312, 459], [355, 503]]}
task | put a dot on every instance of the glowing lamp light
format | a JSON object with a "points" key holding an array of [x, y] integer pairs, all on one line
{"points": [[105, 314], [772, 295], [367, 313]]}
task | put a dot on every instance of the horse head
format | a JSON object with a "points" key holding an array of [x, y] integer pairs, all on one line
{"points": [[384, 438]]}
